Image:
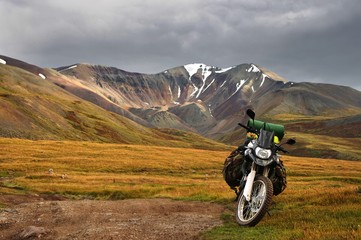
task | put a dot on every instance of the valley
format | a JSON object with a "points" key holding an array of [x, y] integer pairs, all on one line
{"points": [[321, 201]]}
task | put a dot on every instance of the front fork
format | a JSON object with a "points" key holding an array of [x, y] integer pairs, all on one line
{"points": [[247, 191]]}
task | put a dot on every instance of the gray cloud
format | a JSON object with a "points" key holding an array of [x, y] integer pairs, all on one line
{"points": [[309, 40]]}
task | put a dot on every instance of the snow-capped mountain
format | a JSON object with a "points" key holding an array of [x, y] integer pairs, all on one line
{"points": [[193, 97], [196, 97], [204, 99]]}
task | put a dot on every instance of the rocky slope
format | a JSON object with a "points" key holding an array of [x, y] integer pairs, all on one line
{"points": [[209, 100]]}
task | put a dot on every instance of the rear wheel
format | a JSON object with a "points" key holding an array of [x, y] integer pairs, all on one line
{"points": [[250, 213]]}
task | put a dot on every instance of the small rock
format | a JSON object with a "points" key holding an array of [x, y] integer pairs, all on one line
{"points": [[3, 220], [10, 210], [32, 231]]}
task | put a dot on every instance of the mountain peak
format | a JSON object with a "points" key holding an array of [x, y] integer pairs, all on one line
{"points": [[253, 68], [193, 68]]}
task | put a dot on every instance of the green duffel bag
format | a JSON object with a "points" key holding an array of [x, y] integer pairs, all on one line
{"points": [[279, 130]]}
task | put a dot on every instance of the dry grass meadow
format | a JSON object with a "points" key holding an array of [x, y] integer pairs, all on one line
{"points": [[322, 200]]}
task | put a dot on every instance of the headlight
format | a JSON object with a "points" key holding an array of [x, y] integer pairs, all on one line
{"points": [[263, 153]]}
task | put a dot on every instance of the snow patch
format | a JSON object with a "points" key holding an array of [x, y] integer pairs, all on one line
{"points": [[263, 78], [74, 66], [176, 103], [223, 83], [204, 83], [206, 72], [253, 68], [2, 61], [238, 86], [209, 85], [193, 69], [179, 92], [42, 76], [195, 90], [171, 93], [224, 70], [200, 90]]}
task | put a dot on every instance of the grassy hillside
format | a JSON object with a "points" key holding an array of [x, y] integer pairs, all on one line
{"points": [[329, 136], [322, 200], [336, 135], [34, 108]]}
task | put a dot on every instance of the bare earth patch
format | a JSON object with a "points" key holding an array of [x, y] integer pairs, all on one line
{"points": [[90, 219]]}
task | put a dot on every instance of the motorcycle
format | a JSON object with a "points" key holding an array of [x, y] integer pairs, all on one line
{"points": [[262, 171]]}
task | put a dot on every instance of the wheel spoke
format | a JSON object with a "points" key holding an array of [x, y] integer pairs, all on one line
{"points": [[249, 209], [250, 213]]}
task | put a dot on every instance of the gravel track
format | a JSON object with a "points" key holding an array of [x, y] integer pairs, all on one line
{"points": [[33, 217]]}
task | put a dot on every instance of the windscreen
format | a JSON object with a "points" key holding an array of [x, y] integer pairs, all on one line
{"points": [[265, 139]]}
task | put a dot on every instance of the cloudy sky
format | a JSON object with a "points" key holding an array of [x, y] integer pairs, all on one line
{"points": [[308, 40]]}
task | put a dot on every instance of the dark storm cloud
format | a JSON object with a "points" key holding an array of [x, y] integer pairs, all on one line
{"points": [[300, 40]]}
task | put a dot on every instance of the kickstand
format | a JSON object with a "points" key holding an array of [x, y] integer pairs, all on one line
{"points": [[268, 213]]}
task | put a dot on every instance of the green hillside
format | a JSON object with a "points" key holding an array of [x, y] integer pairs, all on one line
{"points": [[329, 136], [34, 108]]}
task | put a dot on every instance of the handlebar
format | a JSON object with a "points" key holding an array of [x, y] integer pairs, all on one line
{"points": [[281, 149], [244, 126]]}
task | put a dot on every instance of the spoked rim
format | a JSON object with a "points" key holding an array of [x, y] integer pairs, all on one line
{"points": [[247, 211]]}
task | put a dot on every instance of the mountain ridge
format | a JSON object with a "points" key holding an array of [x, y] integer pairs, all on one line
{"points": [[203, 99], [33, 108]]}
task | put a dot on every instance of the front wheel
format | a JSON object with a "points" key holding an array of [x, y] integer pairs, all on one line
{"points": [[250, 213]]}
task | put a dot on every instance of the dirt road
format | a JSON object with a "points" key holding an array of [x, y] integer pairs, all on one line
{"points": [[41, 218]]}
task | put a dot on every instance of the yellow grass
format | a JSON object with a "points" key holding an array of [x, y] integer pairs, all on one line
{"points": [[83, 168], [292, 117], [322, 200]]}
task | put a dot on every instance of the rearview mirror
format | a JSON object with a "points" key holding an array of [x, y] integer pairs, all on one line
{"points": [[251, 114]]}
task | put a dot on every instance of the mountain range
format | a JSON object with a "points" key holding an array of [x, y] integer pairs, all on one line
{"points": [[194, 98]]}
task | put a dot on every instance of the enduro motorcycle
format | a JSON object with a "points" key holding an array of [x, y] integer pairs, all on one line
{"points": [[262, 171]]}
